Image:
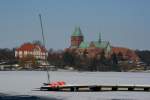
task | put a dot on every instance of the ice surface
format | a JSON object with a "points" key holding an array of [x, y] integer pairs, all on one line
{"points": [[23, 82]]}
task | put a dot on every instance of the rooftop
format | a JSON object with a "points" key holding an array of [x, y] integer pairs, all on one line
{"points": [[30, 47]]}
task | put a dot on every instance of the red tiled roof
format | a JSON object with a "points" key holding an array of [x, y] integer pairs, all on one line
{"points": [[30, 47], [119, 49], [130, 54]]}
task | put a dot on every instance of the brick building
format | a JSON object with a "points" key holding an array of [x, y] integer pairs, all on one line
{"points": [[95, 48], [92, 48], [127, 54]]}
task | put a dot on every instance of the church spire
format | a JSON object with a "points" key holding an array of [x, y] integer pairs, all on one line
{"points": [[100, 40], [77, 32]]}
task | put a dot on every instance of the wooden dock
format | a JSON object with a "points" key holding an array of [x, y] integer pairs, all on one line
{"points": [[90, 88]]}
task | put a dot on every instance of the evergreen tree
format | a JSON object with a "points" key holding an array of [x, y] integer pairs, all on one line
{"points": [[115, 65], [68, 58]]}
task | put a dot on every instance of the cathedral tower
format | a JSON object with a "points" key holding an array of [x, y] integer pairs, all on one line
{"points": [[76, 38]]}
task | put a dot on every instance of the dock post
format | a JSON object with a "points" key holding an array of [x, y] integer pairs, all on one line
{"points": [[130, 88], [95, 88], [146, 89], [74, 89], [114, 88]]}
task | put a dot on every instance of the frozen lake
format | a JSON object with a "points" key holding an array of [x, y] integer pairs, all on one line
{"points": [[23, 82]]}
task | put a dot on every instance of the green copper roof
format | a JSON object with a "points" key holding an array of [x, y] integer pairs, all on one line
{"points": [[102, 44], [77, 32], [84, 45]]}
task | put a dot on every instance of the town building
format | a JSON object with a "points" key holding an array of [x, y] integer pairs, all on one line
{"points": [[29, 53]]}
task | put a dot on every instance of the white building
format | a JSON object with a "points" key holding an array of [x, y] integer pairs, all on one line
{"points": [[36, 51]]}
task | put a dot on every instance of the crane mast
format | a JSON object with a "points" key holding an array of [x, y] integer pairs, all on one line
{"points": [[43, 38]]}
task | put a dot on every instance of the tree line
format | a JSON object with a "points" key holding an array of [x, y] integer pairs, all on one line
{"points": [[62, 59], [7, 55], [144, 56]]}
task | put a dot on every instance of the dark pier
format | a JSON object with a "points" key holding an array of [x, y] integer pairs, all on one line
{"points": [[90, 88]]}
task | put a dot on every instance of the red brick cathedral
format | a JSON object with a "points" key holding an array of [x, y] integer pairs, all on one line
{"points": [[94, 48]]}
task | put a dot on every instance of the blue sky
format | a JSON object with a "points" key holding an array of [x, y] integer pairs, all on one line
{"points": [[124, 23]]}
